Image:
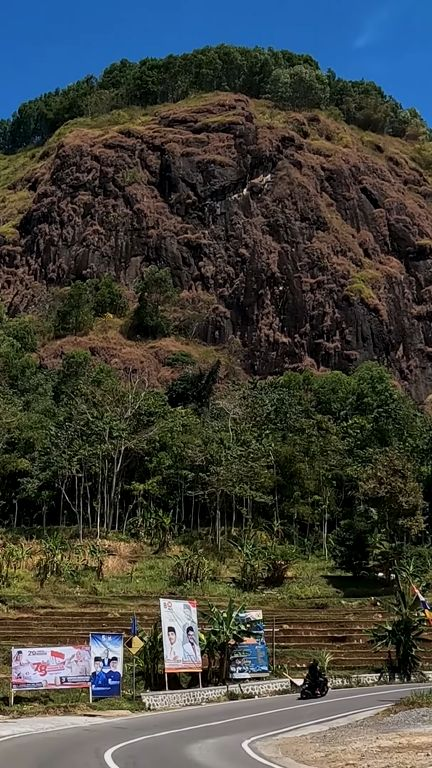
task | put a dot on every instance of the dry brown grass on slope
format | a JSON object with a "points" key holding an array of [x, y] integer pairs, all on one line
{"points": [[145, 360]]}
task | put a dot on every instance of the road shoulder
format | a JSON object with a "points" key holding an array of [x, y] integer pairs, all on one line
{"points": [[367, 740], [278, 748]]}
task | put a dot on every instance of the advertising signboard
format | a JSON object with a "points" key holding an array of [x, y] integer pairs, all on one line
{"points": [[180, 636], [106, 665], [50, 668], [250, 657]]}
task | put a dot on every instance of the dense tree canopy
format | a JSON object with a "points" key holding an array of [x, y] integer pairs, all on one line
{"points": [[332, 462], [299, 87], [221, 68]]}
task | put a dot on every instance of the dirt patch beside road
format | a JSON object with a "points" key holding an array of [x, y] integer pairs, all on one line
{"points": [[403, 740]]}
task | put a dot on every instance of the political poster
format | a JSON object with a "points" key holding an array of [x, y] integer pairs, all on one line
{"points": [[180, 636], [50, 668], [106, 665], [250, 657]]}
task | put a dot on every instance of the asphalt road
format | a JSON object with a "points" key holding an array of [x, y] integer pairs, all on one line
{"points": [[214, 736]]}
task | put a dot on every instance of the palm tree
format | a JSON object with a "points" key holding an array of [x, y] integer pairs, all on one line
{"points": [[227, 627], [402, 632]]}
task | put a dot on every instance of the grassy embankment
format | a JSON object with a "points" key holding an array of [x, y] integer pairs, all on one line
{"points": [[133, 569]]}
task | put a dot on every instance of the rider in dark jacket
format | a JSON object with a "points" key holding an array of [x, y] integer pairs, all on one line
{"points": [[314, 674]]}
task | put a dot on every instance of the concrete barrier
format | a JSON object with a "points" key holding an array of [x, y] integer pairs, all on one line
{"points": [[156, 700]]}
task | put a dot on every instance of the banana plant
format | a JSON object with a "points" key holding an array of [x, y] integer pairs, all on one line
{"points": [[226, 628]]}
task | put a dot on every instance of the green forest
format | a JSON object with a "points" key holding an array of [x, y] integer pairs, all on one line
{"points": [[328, 463], [291, 80]]}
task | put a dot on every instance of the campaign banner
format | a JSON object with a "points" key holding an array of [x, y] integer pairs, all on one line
{"points": [[182, 652], [106, 665], [250, 657], [50, 668]]}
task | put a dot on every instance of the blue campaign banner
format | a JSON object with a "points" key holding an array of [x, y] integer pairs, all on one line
{"points": [[250, 658], [107, 665]]}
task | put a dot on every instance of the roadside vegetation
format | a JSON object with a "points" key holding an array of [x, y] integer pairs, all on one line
{"points": [[417, 700]]}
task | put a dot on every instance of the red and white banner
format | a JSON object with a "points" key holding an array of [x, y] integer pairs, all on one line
{"points": [[50, 668]]}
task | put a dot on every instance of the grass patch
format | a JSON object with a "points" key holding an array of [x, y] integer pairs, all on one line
{"points": [[73, 702], [373, 142], [14, 167], [267, 114], [230, 118], [15, 199], [422, 156], [119, 118], [360, 286], [417, 700]]}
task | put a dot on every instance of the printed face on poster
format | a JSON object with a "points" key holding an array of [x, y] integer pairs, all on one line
{"points": [[107, 665], [50, 668], [180, 636]]}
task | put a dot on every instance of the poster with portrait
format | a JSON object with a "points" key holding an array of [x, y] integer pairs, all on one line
{"points": [[250, 657], [50, 668], [106, 665], [180, 634]]}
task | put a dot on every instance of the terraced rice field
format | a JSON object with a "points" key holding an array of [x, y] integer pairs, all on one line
{"points": [[297, 632]]}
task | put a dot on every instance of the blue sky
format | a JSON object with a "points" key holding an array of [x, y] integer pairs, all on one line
{"points": [[50, 44]]}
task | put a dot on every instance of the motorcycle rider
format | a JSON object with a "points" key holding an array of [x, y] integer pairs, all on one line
{"points": [[314, 675]]}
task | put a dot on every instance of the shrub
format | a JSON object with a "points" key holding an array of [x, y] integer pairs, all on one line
{"points": [[420, 559], [402, 632], [149, 658], [192, 313], [148, 322], [22, 330], [74, 314], [190, 568], [108, 297], [252, 554], [97, 555], [251, 573], [194, 388], [155, 291], [180, 359], [12, 557], [350, 547], [53, 558], [277, 563]]}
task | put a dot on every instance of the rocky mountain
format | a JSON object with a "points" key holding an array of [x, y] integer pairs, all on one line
{"points": [[313, 240]]}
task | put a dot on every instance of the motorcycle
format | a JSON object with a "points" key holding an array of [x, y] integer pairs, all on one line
{"points": [[314, 691]]}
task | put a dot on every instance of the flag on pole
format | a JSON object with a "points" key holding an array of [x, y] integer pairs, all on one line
{"points": [[427, 610], [134, 626]]}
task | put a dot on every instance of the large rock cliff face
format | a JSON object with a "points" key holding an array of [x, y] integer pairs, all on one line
{"points": [[315, 240]]}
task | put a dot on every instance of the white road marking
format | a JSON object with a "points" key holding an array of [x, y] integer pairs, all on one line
{"points": [[108, 756], [255, 756]]}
